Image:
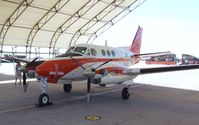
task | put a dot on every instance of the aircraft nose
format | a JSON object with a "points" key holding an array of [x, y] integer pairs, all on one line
{"points": [[51, 68], [42, 69]]}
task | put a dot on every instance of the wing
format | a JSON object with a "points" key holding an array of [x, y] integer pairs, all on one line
{"points": [[139, 71]]}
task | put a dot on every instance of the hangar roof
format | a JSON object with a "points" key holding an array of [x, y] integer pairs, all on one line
{"points": [[58, 23]]}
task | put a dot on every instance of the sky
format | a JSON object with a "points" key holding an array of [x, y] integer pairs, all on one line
{"points": [[168, 25]]}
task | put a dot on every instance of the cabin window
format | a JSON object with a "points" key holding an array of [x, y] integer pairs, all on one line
{"points": [[93, 52], [103, 52], [108, 53], [126, 54], [68, 52], [113, 53]]}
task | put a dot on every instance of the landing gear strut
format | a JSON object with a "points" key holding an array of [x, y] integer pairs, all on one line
{"points": [[89, 93], [43, 99], [125, 93], [67, 88]]}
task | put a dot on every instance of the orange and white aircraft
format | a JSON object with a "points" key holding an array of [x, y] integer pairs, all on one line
{"points": [[97, 64]]}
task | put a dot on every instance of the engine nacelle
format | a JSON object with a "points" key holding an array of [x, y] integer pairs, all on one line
{"points": [[96, 79], [31, 74]]}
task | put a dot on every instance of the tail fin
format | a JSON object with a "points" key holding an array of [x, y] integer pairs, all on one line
{"points": [[136, 45]]}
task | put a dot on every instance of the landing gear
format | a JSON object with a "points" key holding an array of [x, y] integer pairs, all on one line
{"points": [[43, 99], [125, 93], [67, 88]]}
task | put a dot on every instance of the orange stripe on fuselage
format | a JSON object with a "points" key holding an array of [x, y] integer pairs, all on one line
{"points": [[55, 69]]}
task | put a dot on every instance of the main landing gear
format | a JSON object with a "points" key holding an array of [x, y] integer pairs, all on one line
{"points": [[125, 93], [67, 88], [43, 99]]}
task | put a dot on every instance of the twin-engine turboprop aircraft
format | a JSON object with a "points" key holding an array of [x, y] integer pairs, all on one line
{"points": [[97, 64]]}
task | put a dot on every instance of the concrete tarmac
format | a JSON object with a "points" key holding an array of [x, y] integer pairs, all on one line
{"points": [[147, 105]]}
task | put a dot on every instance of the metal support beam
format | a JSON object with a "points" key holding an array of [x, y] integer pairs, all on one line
{"points": [[98, 19], [115, 19], [44, 19], [85, 8], [12, 18], [43, 8]]}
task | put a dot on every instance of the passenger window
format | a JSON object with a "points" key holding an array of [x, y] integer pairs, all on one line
{"points": [[93, 52], [108, 53], [126, 55], [103, 52], [113, 53]]}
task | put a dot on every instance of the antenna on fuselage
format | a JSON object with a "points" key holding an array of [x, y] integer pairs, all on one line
{"points": [[106, 43]]}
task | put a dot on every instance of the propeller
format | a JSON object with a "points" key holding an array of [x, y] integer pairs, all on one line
{"points": [[24, 70], [90, 73]]}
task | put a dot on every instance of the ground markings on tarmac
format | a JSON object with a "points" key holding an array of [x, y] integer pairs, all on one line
{"points": [[62, 100]]}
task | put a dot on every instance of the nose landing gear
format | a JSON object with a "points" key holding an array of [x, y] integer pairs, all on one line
{"points": [[43, 99]]}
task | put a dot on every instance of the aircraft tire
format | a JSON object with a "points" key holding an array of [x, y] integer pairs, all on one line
{"points": [[125, 93], [67, 88], [43, 99]]}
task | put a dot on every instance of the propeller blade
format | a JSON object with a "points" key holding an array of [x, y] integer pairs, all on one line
{"points": [[103, 64], [88, 85], [25, 85], [88, 90], [75, 61], [28, 64]]}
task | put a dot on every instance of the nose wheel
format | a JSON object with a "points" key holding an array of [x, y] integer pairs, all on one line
{"points": [[125, 93], [43, 99]]}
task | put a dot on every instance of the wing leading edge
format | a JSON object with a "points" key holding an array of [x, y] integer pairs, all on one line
{"points": [[139, 71]]}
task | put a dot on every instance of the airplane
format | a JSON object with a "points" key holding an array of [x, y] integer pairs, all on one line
{"points": [[98, 65]]}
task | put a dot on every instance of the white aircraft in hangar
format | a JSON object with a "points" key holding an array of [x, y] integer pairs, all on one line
{"points": [[97, 64]]}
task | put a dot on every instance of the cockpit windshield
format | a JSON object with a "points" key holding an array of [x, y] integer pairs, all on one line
{"points": [[74, 51], [80, 50]]}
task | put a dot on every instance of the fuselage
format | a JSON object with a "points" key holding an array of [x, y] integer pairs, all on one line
{"points": [[72, 65]]}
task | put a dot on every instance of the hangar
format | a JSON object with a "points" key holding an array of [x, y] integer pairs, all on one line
{"points": [[48, 27]]}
